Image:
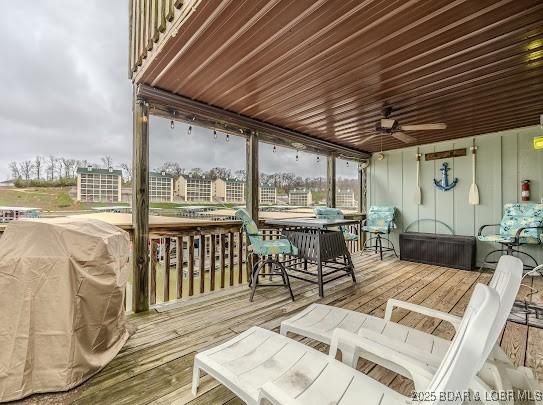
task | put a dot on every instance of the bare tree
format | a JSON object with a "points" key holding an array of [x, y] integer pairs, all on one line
{"points": [[26, 167], [37, 166], [107, 161], [51, 165], [127, 171], [15, 172], [66, 165], [220, 173], [240, 175]]}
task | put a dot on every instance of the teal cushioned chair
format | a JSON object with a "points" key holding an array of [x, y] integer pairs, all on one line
{"points": [[265, 250], [379, 222], [522, 224], [334, 213]]}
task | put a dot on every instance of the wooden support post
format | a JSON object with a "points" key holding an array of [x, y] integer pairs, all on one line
{"points": [[223, 253], [240, 258], [252, 180], [231, 257], [167, 262], [152, 291], [140, 207], [361, 203], [331, 181]]}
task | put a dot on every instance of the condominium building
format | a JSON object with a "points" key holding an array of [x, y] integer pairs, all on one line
{"points": [[300, 197], [160, 187], [267, 195], [345, 199], [98, 185], [194, 188], [229, 190]]}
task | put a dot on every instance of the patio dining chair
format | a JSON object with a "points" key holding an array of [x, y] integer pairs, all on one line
{"points": [[319, 321], [522, 224], [260, 365], [267, 251], [379, 223], [334, 213]]}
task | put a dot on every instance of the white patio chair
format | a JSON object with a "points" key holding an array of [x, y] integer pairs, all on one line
{"points": [[260, 365], [319, 321]]}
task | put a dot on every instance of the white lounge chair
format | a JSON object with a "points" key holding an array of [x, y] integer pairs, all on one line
{"points": [[260, 365], [319, 321]]}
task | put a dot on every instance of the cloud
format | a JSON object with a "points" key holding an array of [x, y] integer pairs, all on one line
{"points": [[67, 93]]}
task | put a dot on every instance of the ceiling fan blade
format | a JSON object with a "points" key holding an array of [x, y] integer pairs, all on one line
{"points": [[404, 137], [387, 123], [423, 127], [368, 138]]}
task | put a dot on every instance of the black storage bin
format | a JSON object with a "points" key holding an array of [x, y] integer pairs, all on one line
{"points": [[441, 250]]}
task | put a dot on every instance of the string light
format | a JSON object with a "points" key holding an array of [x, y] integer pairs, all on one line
{"points": [[318, 158], [274, 149], [227, 137], [347, 163], [189, 131], [214, 134], [172, 122], [297, 158]]}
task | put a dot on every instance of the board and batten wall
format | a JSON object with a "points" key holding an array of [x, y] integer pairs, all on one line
{"points": [[503, 160]]}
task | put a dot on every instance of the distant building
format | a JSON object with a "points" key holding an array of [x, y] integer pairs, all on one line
{"points": [[98, 185], [345, 199], [194, 188], [160, 187], [8, 214], [300, 197], [267, 195], [229, 190]]}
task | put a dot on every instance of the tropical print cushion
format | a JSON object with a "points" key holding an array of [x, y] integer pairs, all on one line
{"points": [[334, 213], [260, 246], [518, 216], [380, 219], [507, 239]]}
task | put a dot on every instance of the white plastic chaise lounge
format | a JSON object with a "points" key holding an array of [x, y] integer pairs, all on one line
{"points": [[319, 321], [260, 365]]}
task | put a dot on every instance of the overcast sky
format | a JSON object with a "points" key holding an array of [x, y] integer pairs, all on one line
{"points": [[66, 92]]}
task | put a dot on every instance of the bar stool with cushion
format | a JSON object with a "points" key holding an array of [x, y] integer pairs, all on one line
{"points": [[379, 222], [334, 213], [522, 224], [266, 250]]}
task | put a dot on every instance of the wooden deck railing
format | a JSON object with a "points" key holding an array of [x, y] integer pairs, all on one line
{"points": [[150, 23], [187, 264]]}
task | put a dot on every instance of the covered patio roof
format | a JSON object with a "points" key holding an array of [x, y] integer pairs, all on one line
{"points": [[327, 68]]}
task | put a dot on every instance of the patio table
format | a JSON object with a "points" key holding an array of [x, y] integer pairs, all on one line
{"points": [[320, 242]]}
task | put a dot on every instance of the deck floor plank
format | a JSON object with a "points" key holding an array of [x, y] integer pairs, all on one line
{"points": [[155, 366]]}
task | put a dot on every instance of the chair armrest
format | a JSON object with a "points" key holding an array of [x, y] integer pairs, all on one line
{"points": [[480, 232], [520, 230], [452, 319], [272, 393], [421, 373]]}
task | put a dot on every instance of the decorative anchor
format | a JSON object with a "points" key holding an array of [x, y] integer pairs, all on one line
{"points": [[444, 184]]}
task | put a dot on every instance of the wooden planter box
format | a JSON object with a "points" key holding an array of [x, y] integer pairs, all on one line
{"points": [[441, 250]]}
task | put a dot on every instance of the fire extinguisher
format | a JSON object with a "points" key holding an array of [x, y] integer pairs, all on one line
{"points": [[525, 190]]}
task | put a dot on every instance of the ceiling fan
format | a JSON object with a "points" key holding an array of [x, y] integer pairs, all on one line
{"points": [[389, 126]]}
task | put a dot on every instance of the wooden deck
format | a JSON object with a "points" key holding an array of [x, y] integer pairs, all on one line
{"points": [[155, 365]]}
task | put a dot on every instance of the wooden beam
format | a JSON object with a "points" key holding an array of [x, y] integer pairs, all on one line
{"points": [[164, 103], [252, 176], [331, 180], [140, 207]]}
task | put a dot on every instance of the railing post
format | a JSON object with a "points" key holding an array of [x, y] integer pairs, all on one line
{"points": [[140, 207], [331, 181], [251, 181]]}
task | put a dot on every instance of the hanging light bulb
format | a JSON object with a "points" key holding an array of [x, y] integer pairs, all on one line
{"points": [[297, 158], [214, 134], [274, 149], [227, 137], [318, 158], [347, 163], [189, 131], [172, 122]]}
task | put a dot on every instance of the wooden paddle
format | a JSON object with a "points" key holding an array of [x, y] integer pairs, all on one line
{"points": [[473, 190], [418, 193]]}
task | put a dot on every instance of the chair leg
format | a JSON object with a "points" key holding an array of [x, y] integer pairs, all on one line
{"points": [[380, 246], [286, 281], [261, 265]]}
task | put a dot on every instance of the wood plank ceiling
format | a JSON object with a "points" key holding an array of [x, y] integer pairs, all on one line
{"points": [[326, 68]]}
